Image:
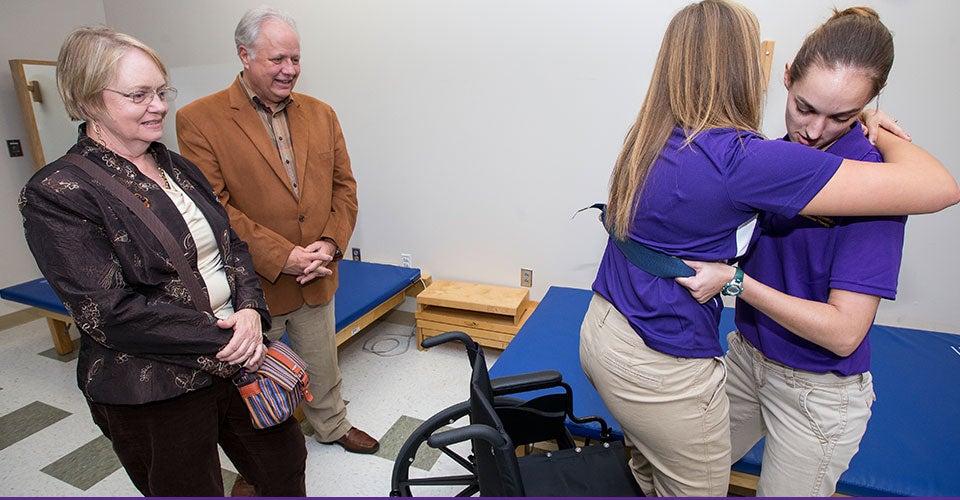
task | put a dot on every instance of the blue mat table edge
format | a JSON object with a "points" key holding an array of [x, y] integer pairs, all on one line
{"points": [[911, 446], [363, 286]]}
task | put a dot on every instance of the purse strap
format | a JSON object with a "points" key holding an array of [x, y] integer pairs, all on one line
{"points": [[150, 219]]}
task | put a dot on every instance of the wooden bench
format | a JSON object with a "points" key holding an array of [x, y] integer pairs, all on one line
{"points": [[491, 315]]}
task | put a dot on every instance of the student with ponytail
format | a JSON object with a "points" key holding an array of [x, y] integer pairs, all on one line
{"points": [[691, 180], [798, 364]]}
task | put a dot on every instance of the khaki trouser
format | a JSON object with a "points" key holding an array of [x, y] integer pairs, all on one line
{"points": [[673, 411], [313, 336], [813, 422]]}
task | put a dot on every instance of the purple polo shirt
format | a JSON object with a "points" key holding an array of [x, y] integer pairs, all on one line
{"points": [[807, 258], [701, 202]]}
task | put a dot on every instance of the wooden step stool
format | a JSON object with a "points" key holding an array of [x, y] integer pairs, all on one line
{"points": [[490, 315]]}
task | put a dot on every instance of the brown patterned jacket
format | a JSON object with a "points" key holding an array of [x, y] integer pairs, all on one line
{"points": [[141, 338]]}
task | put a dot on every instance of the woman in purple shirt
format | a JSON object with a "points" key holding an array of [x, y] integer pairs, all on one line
{"points": [[690, 181], [798, 366]]}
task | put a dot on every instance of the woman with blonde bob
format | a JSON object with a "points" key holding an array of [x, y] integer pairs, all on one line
{"points": [[155, 371], [690, 181]]}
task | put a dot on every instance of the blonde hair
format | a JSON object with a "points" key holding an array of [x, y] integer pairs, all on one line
{"points": [[88, 63], [708, 75]]}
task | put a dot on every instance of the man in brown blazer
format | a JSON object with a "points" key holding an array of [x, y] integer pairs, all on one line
{"points": [[278, 162]]}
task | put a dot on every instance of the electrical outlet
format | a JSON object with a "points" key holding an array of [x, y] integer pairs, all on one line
{"points": [[356, 254], [405, 260], [526, 277]]}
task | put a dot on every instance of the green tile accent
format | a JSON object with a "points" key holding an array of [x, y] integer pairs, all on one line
{"points": [[94, 461], [70, 356], [393, 440], [228, 478], [21, 423], [87, 465]]}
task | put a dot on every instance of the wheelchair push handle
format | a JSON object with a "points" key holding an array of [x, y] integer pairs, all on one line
{"points": [[473, 348], [443, 338]]}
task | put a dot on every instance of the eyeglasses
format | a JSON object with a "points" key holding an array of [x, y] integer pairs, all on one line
{"points": [[165, 94]]}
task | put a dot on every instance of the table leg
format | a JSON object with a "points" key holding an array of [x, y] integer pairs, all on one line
{"points": [[60, 331]]}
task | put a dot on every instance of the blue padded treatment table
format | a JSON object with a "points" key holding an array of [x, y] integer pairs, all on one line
{"points": [[366, 292], [912, 443], [38, 294]]}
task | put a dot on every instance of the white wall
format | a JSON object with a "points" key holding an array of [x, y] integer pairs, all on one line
{"points": [[477, 128], [29, 29]]}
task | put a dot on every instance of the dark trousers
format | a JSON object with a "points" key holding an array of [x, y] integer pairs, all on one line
{"points": [[169, 448]]}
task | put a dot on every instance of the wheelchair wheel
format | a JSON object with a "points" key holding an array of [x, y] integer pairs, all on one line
{"points": [[454, 473], [457, 465]]}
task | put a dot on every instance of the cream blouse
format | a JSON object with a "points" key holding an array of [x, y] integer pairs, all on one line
{"points": [[208, 256]]}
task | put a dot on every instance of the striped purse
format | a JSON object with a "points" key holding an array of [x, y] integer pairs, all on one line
{"points": [[273, 392]]}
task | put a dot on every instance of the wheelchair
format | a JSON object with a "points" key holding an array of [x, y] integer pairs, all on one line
{"points": [[479, 438]]}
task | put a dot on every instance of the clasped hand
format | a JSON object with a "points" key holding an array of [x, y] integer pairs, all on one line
{"points": [[310, 262], [874, 119]]}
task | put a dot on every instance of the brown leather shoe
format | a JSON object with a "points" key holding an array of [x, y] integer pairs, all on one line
{"points": [[357, 441], [241, 488]]}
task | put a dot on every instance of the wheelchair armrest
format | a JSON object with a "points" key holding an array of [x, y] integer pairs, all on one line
{"points": [[512, 384], [461, 434]]}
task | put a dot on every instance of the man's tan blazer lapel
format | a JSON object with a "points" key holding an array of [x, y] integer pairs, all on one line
{"points": [[251, 124]]}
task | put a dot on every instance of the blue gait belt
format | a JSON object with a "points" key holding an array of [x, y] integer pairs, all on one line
{"points": [[651, 261]]}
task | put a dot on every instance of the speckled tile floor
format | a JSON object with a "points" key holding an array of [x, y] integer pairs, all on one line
{"points": [[49, 445]]}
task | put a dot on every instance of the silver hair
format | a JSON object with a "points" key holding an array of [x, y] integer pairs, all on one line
{"points": [[248, 29]]}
